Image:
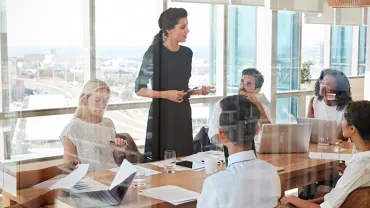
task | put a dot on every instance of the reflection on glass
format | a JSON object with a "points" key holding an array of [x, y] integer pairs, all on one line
{"points": [[287, 64], [45, 60], [341, 48], [313, 47], [242, 44], [362, 51], [288, 111]]}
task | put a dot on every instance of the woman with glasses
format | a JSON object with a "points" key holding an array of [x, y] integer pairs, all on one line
{"points": [[332, 95]]}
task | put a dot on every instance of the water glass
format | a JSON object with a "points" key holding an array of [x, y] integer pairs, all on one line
{"points": [[140, 177], [169, 161], [323, 142]]}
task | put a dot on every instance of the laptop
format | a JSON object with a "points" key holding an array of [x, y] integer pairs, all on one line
{"points": [[322, 128], [114, 195], [284, 138]]}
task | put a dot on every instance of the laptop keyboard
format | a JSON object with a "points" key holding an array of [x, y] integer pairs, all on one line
{"points": [[103, 197]]}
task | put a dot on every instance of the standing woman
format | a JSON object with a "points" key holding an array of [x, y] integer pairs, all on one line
{"points": [[167, 65]]}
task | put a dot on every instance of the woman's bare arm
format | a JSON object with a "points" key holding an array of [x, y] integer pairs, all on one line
{"points": [[310, 113], [70, 151]]}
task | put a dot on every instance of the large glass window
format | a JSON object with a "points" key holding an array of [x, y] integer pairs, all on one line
{"points": [[362, 51], [198, 41], [124, 31], [287, 64], [44, 45], [341, 48], [241, 44], [313, 47]]}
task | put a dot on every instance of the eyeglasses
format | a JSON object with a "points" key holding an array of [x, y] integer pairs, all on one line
{"points": [[246, 83], [326, 83]]}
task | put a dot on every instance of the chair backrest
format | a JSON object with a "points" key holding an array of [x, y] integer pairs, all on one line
{"points": [[358, 198]]}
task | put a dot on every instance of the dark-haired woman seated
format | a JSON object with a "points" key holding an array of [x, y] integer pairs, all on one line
{"points": [[332, 95], [355, 125]]}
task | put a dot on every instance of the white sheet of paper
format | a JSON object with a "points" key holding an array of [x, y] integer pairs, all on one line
{"points": [[172, 194], [148, 172], [88, 185], [46, 184], [199, 157], [71, 179], [178, 168], [329, 156], [125, 170]]}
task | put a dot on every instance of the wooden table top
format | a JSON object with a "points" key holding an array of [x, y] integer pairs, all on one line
{"points": [[293, 164]]}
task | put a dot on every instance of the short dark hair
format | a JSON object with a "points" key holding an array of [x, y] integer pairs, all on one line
{"points": [[256, 74], [358, 115], [239, 119], [343, 94]]}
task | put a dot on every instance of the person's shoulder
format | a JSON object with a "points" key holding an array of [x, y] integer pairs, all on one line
{"points": [[265, 166], [73, 125], [107, 121], [220, 180], [186, 50]]}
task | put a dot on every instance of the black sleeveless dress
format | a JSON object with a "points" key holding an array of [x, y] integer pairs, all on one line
{"points": [[169, 123]]}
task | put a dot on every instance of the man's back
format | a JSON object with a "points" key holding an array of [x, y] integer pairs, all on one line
{"points": [[247, 182]]}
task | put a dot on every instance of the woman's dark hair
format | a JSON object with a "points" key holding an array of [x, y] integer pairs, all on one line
{"points": [[168, 19], [343, 90], [358, 114]]}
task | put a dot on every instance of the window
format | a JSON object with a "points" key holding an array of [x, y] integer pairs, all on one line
{"points": [[44, 44], [313, 47], [241, 44], [287, 64], [341, 48], [199, 40], [124, 32], [362, 51]]}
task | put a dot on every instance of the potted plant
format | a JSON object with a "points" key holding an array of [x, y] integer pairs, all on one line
{"points": [[305, 75]]}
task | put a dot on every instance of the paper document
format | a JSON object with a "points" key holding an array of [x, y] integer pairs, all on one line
{"points": [[148, 172], [178, 168], [71, 179], [171, 194], [329, 156], [199, 157], [88, 185], [125, 170]]}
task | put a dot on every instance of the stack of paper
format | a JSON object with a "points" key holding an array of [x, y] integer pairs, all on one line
{"points": [[171, 194], [148, 172], [70, 180], [329, 156]]}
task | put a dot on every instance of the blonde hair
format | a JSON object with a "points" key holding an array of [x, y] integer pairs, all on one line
{"points": [[91, 86]]}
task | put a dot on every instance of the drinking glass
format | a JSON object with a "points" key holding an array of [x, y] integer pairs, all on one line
{"points": [[169, 161], [140, 177], [323, 142]]}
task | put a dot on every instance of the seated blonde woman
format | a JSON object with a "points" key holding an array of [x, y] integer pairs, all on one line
{"points": [[91, 138]]}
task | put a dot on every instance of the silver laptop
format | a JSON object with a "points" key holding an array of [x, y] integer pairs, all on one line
{"points": [[322, 128], [284, 138], [114, 195]]}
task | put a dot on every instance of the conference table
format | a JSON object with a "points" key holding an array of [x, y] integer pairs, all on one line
{"points": [[299, 170]]}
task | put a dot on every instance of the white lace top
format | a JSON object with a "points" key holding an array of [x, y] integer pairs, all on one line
{"points": [[92, 142]]}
